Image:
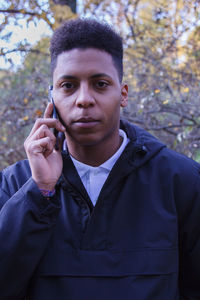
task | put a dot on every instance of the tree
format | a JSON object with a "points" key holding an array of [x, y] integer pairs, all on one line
{"points": [[161, 66], [16, 12], [24, 97], [161, 63]]}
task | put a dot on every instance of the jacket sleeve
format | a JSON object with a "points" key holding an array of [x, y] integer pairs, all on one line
{"points": [[26, 223], [188, 207]]}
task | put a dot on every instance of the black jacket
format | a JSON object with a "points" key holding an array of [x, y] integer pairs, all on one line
{"points": [[141, 241]]}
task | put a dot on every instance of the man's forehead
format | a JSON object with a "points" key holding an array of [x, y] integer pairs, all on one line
{"points": [[77, 54], [90, 62]]}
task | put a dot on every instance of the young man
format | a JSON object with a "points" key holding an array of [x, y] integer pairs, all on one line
{"points": [[114, 214]]}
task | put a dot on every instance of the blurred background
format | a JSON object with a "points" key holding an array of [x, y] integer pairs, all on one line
{"points": [[161, 66]]}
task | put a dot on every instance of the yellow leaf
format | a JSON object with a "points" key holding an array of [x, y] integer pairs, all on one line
{"points": [[157, 91], [4, 138], [25, 118], [165, 101], [186, 90], [38, 112]]}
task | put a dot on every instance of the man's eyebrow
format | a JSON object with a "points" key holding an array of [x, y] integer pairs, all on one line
{"points": [[100, 75], [66, 77], [70, 77]]}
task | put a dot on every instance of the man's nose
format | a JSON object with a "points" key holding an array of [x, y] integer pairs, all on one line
{"points": [[85, 96]]}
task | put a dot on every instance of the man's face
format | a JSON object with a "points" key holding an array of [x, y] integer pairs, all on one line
{"points": [[88, 96]]}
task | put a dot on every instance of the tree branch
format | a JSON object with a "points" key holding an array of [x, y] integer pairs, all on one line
{"points": [[23, 50], [42, 15], [19, 11]]}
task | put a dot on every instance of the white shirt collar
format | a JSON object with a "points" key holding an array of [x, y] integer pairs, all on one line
{"points": [[108, 164]]}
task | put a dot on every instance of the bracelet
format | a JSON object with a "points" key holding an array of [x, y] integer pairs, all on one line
{"points": [[47, 193]]}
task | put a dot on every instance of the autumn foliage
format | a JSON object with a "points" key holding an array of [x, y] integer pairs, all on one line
{"points": [[161, 66]]}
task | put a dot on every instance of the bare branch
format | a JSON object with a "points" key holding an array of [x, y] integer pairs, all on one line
{"points": [[2, 53], [19, 11]]}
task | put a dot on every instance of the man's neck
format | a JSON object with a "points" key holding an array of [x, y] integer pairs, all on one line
{"points": [[94, 155]]}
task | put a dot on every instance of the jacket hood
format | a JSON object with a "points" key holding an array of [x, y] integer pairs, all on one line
{"points": [[143, 145]]}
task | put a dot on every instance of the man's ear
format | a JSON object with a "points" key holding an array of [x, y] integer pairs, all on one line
{"points": [[124, 94]]}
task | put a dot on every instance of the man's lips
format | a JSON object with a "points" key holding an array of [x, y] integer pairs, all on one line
{"points": [[86, 122]]}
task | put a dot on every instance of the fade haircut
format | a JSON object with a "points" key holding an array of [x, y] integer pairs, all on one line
{"points": [[87, 33]]}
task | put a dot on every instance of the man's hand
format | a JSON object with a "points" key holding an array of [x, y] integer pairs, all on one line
{"points": [[45, 162]]}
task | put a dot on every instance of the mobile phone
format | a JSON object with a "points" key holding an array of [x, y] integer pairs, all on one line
{"points": [[55, 116]]}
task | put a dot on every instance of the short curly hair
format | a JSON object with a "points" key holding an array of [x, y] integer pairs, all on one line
{"points": [[87, 33]]}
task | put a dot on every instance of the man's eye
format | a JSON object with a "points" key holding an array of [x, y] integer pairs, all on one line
{"points": [[101, 84], [68, 85]]}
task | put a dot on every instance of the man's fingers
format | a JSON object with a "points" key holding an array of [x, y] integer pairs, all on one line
{"points": [[42, 132], [50, 123], [42, 146], [48, 111]]}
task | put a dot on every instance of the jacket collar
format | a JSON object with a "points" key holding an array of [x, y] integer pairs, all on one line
{"points": [[143, 146]]}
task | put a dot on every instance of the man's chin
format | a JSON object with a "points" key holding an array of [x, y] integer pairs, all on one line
{"points": [[84, 140]]}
